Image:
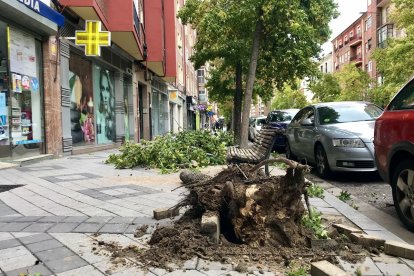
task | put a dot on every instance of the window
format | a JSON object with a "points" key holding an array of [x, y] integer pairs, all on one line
{"points": [[321, 68], [370, 66], [359, 31], [326, 67], [369, 44], [200, 75], [404, 99], [340, 43], [368, 23], [351, 34], [348, 113], [346, 39]]}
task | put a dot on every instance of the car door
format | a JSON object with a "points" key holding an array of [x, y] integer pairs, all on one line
{"points": [[307, 134], [294, 132]]}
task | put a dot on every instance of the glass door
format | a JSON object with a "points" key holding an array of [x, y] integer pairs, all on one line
{"points": [[5, 150]]}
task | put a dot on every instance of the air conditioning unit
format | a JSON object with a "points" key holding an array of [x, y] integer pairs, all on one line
{"points": [[147, 76]]}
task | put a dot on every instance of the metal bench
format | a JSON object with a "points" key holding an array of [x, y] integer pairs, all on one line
{"points": [[259, 151]]}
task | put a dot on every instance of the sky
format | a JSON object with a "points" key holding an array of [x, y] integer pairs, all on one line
{"points": [[349, 12]]}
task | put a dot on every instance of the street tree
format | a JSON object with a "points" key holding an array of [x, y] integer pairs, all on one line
{"points": [[354, 83], [325, 88], [281, 36], [289, 98], [395, 62]]}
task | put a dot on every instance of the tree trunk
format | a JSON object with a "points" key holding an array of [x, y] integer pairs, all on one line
{"points": [[238, 99], [250, 82]]}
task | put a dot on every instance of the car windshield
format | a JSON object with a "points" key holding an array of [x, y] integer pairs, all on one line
{"points": [[348, 113], [261, 121], [282, 116]]}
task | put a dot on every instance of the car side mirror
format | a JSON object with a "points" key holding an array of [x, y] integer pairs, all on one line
{"points": [[307, 122]]}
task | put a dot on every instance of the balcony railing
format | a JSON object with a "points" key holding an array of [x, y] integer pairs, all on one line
{"points": [[357, 58], [383, 33]]}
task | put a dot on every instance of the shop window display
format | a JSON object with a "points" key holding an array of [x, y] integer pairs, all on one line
{"points": [[105, 99], [82, 104]]}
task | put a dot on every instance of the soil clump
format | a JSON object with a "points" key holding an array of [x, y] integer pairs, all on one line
{"points": [[260, 221]]}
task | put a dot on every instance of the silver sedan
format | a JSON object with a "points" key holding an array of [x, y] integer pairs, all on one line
{"points": [[336, 136]]}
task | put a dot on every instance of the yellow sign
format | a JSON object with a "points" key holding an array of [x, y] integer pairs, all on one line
{"points": [[173, 95], [93, 38]]}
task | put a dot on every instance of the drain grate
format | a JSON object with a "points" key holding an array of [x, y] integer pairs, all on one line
{"points": [[5, 188]]}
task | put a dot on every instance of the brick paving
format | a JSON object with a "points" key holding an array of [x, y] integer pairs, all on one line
{"points": [[48, 225]]}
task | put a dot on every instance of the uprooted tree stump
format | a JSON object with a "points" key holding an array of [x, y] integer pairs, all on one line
{"points": [[254, 209]]}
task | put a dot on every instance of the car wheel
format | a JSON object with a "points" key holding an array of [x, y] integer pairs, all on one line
{"points": [[403, 192], [289, 154], [322, 165]]}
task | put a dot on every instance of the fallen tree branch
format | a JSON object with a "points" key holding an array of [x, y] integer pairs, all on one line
{"points": [[290, 163], [237, 166]]}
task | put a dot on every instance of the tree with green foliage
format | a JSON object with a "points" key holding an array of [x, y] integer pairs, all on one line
{"points": [[289, 98], [396, 62], [325, 88], [280, 37], [354, 83]]}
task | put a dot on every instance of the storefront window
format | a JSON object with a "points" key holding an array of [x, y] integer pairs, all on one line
{"points": [[25, 121], [82, 103], [104, 93]]}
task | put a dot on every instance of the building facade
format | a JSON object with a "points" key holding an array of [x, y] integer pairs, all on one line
{"points": [[29, 79]]}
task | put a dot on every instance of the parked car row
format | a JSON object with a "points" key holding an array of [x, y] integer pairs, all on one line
{"points": [[355, 137]]}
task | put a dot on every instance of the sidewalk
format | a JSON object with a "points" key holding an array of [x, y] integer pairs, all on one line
{"points": [[49, 217]]}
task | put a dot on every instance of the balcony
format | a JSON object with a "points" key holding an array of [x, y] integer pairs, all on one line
{"points": [[356, 40], [383, 33], [127, 27], [119, 17], [89, 9], [357, 59]]}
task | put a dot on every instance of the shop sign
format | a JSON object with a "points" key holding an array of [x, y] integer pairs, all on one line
{"points": [[45, 11], [93, 38]]}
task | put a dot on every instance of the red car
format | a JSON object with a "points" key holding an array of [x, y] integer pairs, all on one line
{"points": [[394, 150]]}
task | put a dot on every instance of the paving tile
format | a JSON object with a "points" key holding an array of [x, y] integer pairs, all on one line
{"points": [[75, 219], [17, 262], [98, 219], [367, 268], [9, 218], [66, 264], [133, 271], [39, 227], [113, 228], [5, 236], [394, 269], [85, 270], [35, 238], [55, 253], [186, 272], [31, 270], [112, 192], [29, 219], [87, 228], [144, 220], [13, 252], [64, 227], [9, 243], [131, 229], [122, 220], [52, 219], [14, 226], [44, 245]]}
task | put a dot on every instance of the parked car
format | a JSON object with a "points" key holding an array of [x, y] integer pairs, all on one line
{"points": [[335, 136], [255, 125], [394, 149], [280, 119]]}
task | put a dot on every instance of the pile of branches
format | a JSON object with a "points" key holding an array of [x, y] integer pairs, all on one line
{"points": [[172, 152]]}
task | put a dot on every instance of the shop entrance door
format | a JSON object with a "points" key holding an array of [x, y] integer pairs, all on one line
{"points": [[5, 150]]}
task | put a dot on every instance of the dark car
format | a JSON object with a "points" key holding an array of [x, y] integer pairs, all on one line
{"points": [[280, 119], [394, 150]]}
